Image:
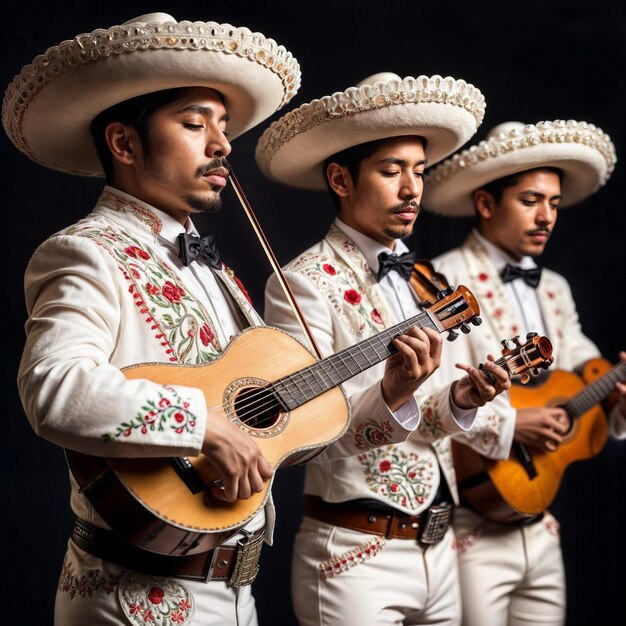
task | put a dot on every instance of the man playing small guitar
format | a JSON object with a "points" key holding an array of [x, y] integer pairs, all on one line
{"points": [[514, 182]]}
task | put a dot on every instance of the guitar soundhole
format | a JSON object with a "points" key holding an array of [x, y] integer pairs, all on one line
{"points": [[257, 408]]}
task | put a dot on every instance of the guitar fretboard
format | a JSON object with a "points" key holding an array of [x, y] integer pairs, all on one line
{"points": [[595, 392], [302, 386]]}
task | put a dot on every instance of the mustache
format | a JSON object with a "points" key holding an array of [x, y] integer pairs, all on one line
{"points": [[214, 164], [403, 207], [539, 230]]}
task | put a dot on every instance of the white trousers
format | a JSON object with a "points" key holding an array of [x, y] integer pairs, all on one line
{"points": [[93, 592], [510, 576], [342, 577]]}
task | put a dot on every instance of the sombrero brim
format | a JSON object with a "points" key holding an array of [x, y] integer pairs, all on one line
{"points": [[445, 111], [582, 151], [49, 106]]}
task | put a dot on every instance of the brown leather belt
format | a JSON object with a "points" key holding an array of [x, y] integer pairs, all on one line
{"points": [[427, 527], [237, 564]]}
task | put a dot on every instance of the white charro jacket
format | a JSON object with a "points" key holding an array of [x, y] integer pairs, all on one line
{"points": [[343, 304]]}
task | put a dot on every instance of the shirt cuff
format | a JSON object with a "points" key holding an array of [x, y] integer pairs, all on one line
{"points": [[463, 417], [408, 415]]}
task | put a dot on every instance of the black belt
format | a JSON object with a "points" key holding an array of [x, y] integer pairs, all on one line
{"points": [[237, 564]]}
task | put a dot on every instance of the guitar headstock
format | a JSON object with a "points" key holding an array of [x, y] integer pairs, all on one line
{"points": [[455, 308], [526, 360]]}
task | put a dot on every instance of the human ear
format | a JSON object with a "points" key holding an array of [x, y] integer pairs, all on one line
{"points": [[338, 179], [120, 139], [484, 203]]}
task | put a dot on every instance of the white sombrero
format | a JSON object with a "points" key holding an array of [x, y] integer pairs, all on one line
{"points": [[445, 111], [584, 153], [48, 108]]}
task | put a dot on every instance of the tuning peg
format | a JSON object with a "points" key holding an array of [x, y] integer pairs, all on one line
{"points": [[524, 378], [426, 304], [441, 294], [465, 329], [477, 321], [534, 371], [515, 340], [505, 344], [452, 335], [530, 336]]}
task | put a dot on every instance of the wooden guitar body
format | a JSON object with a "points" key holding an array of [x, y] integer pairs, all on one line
{"points": [[503, 491], [272, 387], [145, 500]]}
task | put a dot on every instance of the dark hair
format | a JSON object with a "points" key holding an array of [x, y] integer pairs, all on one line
{"points": [[351, 158], [496, 187], [136, 112]]}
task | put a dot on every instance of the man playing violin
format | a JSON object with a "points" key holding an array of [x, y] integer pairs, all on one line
{"points": [[375, 545], [516, 182]]}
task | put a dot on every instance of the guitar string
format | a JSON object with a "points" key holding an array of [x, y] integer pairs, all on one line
{"points": [[264, 400], [596, 391]]}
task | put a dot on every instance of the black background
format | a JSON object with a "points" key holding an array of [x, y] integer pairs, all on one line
{"points": [[533, 60]]}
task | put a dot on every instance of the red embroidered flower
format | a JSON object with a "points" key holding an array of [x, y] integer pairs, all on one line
{"points": [[184, 604], [179, 417], [514, 329], [482, 276], [172, 292], [148, 616], [134, 609], [329, 269], [412, 475], [153, 290], [498, 313], [206, 335], [352, 296], [384, 466], [243, 290], [394, 487], [376, 317], [178, 617], [137, 253], [550, 294], [155, 595], [489, 294], [164, 402]]}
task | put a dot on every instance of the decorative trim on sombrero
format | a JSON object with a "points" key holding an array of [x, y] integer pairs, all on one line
{"points": [[368, 97], [522, 139], [139, 36]]}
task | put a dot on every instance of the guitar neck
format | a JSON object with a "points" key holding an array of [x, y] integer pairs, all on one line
{"points": [[296, 389], [595, 392]]}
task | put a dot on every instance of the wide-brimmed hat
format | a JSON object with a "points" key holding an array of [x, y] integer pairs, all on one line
{"points": [[445, 111], [584, 152], [48, 108]]}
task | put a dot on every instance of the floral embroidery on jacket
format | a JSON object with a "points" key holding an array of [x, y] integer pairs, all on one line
{"points": [[180, 323], [404, 478], [372, 434], [430, 424], [159, 415], [142, 213], [86, 585], [344, 292]]}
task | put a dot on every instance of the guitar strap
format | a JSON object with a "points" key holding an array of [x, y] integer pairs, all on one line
{"points": [[426, 282]]}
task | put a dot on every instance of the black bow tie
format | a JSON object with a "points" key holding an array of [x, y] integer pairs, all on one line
{"points": [[530, 276], [192, 248], [402, 263]]}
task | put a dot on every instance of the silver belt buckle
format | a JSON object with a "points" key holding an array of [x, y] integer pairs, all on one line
{"points": [[437, 522], [247, 563]]}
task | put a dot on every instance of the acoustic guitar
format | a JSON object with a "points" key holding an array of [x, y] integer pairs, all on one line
{"points": [[272, 387], [527, 482]]}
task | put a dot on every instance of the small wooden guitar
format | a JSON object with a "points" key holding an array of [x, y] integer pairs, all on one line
{"points": [[527, 482], [269, 384], [472, 469]]}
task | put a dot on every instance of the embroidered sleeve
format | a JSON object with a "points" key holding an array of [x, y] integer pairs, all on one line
{"points": [[72, 392]]}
